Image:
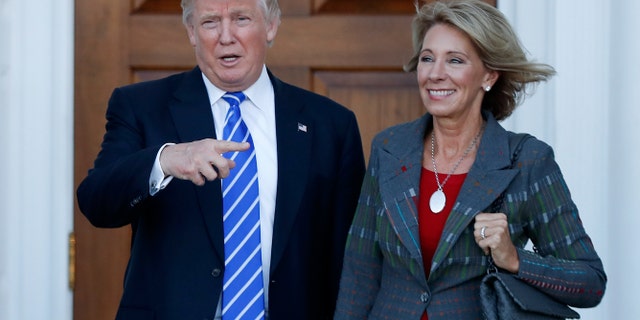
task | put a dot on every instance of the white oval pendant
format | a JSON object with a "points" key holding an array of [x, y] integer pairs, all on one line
{"points": [[437, 201]]}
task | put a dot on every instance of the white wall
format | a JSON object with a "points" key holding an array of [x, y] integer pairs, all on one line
{"points": [[589, 113], [36, 157], [623, 153]]}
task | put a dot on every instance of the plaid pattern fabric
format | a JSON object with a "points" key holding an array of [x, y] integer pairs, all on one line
{"points": [[383, 275]]}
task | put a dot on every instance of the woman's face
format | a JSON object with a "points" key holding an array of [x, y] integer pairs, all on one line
{"points": [[451, 76]]}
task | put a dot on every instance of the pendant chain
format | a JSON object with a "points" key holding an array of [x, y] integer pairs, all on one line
{"points": [[466, 152]]}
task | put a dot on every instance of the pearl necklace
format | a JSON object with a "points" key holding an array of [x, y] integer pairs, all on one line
{"points": [[438, 198]]}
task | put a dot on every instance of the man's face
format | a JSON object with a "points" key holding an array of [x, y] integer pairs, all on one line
{"points": [[230, 38]]}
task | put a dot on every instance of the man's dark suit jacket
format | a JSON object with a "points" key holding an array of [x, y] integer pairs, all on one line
{"points": [[177, 259]]}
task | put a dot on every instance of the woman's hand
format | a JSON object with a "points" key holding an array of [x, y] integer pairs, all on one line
{"points": [[491, 231]]}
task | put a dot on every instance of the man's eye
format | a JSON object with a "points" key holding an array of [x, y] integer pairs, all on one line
{"points": [[243, 20], [209, 24]]}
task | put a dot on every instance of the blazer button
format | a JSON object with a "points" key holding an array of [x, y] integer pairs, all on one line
{"points": [[216, 272], [424, 297]]}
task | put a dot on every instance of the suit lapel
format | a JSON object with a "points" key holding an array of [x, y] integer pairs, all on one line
{"points": [[191, 113], [295, 130]]}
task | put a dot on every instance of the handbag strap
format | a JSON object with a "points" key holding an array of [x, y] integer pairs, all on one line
{"points": [[519, 140]]}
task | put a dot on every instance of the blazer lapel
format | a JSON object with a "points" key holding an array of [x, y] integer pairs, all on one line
{"points": [[191, 112], [294, 129], [400, 170], [486, 180]]}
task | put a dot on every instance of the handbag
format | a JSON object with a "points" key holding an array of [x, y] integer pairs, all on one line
{"points": [[505, 297]]}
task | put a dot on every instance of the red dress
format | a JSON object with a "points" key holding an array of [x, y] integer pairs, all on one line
{"points": [[431, 224]]}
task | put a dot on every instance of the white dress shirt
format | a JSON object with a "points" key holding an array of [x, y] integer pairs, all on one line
{"points": [[258, 113]]}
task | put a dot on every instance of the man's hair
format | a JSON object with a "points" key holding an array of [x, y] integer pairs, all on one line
{"points": [[270, 8]]}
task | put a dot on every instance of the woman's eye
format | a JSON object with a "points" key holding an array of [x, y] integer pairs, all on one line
{"points": [[456, 61], [426, 59]]}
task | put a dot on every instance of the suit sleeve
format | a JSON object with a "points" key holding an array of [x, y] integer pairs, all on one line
{"points": [[566, 265], [114, 190], [351, 169], [362, 269]]}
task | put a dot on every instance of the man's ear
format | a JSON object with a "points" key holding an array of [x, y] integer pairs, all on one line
{"points": [[272, 30], [191, 32]]}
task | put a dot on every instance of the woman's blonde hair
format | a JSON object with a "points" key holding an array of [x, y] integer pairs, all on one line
{"points": [[497, 45]]}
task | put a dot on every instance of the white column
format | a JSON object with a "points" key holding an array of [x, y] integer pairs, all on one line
{"points": [[582, 120], [535, 115], [623, 153], [571, 111], [36, 157]]}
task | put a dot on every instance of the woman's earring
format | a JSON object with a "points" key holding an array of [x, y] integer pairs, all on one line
{"points": [[487, 88]]}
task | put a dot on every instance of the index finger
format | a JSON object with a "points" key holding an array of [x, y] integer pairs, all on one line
{"points": [[223, 146]]}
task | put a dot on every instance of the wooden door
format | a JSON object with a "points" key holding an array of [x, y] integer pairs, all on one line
{"points": [[349, 50]]}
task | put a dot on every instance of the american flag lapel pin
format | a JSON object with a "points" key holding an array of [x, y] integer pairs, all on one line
{"points": [[302, 127]]}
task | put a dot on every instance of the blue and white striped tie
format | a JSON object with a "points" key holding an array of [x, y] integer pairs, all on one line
{"points": [[243, 288]]}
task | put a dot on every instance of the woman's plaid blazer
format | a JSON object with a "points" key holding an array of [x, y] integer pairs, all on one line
{"points": [[383, 275]]}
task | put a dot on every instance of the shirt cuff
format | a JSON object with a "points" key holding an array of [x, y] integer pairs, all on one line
{"points": [[157, 179]]}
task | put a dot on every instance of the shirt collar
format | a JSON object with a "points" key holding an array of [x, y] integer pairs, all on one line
{"points": [[257, 92]]}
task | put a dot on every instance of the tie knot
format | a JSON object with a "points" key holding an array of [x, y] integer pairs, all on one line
{"points": [[234, 98]]}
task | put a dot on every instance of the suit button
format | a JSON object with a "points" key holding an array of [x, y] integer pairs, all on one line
{"points": [[424, 297], [135, 201], [216, 272]]}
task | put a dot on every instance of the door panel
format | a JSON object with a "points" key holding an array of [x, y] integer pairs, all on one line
{"points": [[379, 98], [349, 50]]}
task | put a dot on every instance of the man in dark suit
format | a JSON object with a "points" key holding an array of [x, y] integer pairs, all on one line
{"points": [[163, 158]]}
